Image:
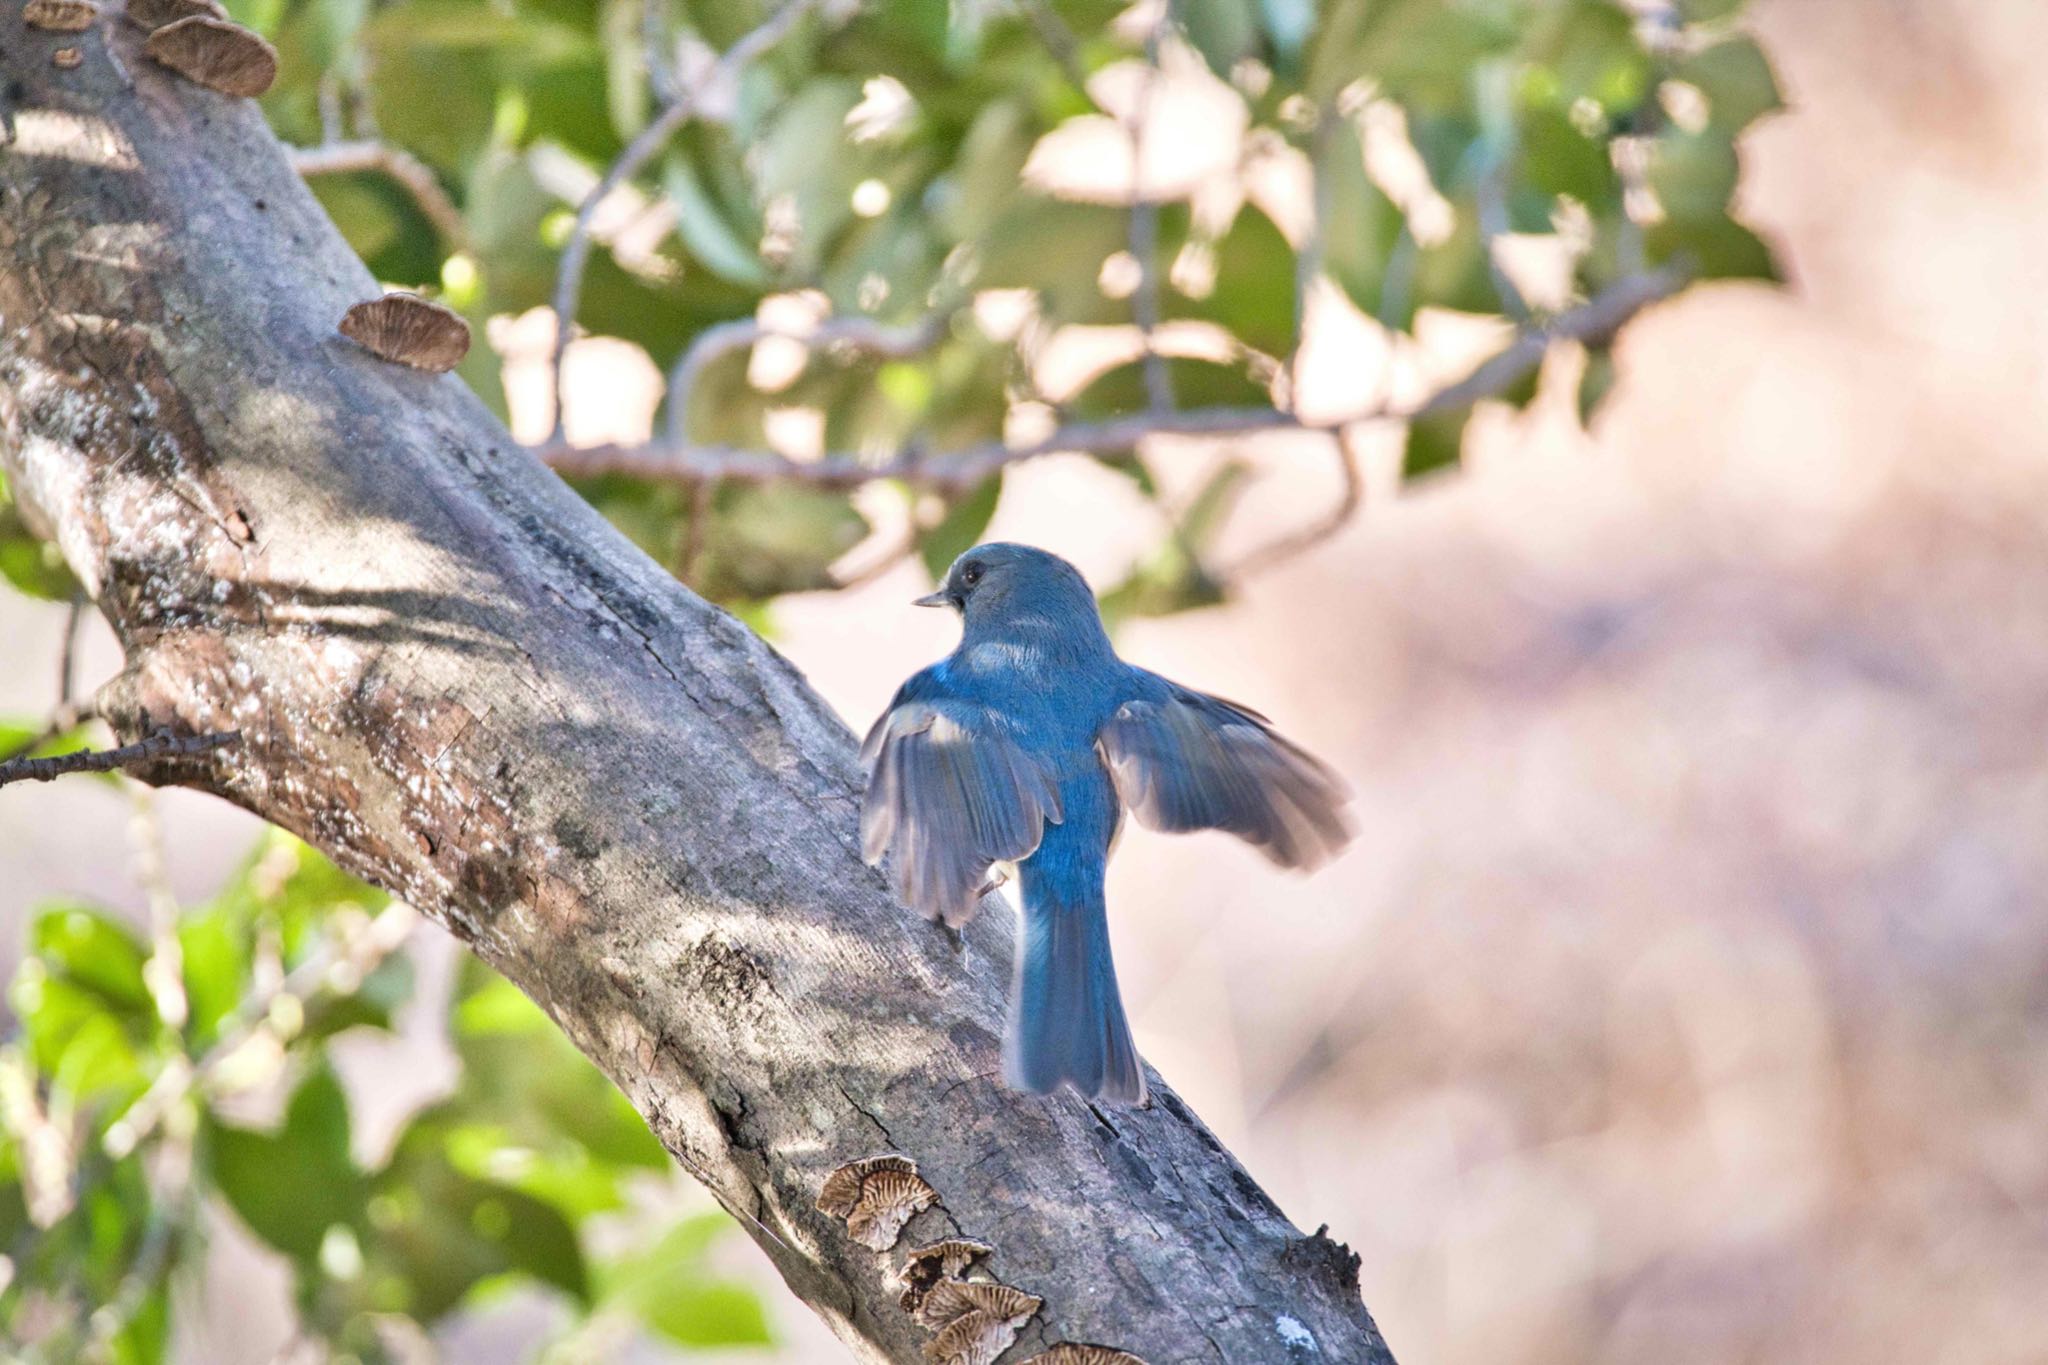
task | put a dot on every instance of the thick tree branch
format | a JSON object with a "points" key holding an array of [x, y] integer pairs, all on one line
{"points": [[453, 676]]}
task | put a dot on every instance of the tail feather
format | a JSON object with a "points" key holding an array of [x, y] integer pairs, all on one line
{"points": [[1067, 1020]]}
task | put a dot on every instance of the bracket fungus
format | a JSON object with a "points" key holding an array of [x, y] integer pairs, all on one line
{"points": [[66, 57], [155, 14], [1085, 1353], [410, 330], [929, 1265], [216, 54], [976, 1321], [876, 1196], [60, 16]]}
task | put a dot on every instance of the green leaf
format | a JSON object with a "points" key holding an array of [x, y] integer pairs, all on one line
{"points": [[1453, 273], [216, 959], [1287, 25], [439, 1234], [769, 539], [703, 1314], [1588, 50], [1361, 225], [95, 951], [1595, 384], [1120, 391], [1694, 174], [1737, 80], [987, 171], [1706, 11], [145, 1336], [360, 209], [960, 529], [291, 1186], [1435, 442], [34, 566], [1223, 31], [1420, 52], [1558, 159], [1056, 247], [436, 101], [807, 157], [519, 1072], [725, 245], [1253, 297], [670, 1285], [1717, 248], [1167, 581]]}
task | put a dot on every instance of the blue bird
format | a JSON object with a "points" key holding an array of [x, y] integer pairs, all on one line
{"points": [[1025, 746]]}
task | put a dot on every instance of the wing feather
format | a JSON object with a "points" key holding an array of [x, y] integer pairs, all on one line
{"points": [[950, 793], [1185, 760]]}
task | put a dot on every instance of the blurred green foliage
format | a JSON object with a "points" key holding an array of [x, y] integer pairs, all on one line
{"points": [[874, 159], [125, 1107]]}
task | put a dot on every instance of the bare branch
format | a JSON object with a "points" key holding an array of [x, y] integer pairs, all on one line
{"points": [[70, 714], [1144, 233], [654, 40], [162, 744], [1285, 547], [960, 470], [855, 333], [67, 656], [902, 549], [638, 152], [404, 169]]}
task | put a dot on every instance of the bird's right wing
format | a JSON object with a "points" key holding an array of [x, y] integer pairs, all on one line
{"points": [[949, 794], [1185, 760]]}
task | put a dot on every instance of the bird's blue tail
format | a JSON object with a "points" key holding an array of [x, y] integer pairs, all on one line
{"points": [[1066, 1019]]}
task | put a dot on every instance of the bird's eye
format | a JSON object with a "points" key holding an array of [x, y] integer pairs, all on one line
{"points": [[971, 574]]}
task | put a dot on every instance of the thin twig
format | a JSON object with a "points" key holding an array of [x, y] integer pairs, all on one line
{"points": [[638, 152], [70, 714], [1059, 40], [1143, 242], [62, 721], [856, 333], [661, 76], [963, 469], [905, 546], [1285, 547], [67, 656], [164, 972], [1497, 154], [162, 744], [404, 169]]}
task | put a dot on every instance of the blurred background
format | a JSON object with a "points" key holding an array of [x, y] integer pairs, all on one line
{"points": [[1685, 996]]}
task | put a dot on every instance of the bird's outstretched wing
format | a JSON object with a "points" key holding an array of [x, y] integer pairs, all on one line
{"points": [[949, 793], [1185, 760]]}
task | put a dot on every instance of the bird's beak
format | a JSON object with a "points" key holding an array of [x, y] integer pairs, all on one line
{"points": [[935, 599]]}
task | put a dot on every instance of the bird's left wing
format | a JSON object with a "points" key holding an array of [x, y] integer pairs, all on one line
{"points": [[1184, 760], [949, 793]]}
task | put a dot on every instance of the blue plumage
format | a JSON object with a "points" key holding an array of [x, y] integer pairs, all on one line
{"points": [[1025, 746]]}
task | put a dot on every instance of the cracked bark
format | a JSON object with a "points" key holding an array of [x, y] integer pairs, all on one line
{"points": [[451, 675]]}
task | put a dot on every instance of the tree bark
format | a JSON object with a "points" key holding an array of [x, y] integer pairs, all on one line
{"points": [[455, 678]]}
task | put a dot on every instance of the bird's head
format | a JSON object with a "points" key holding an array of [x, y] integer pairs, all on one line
{"points": [[1001, 584]]}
